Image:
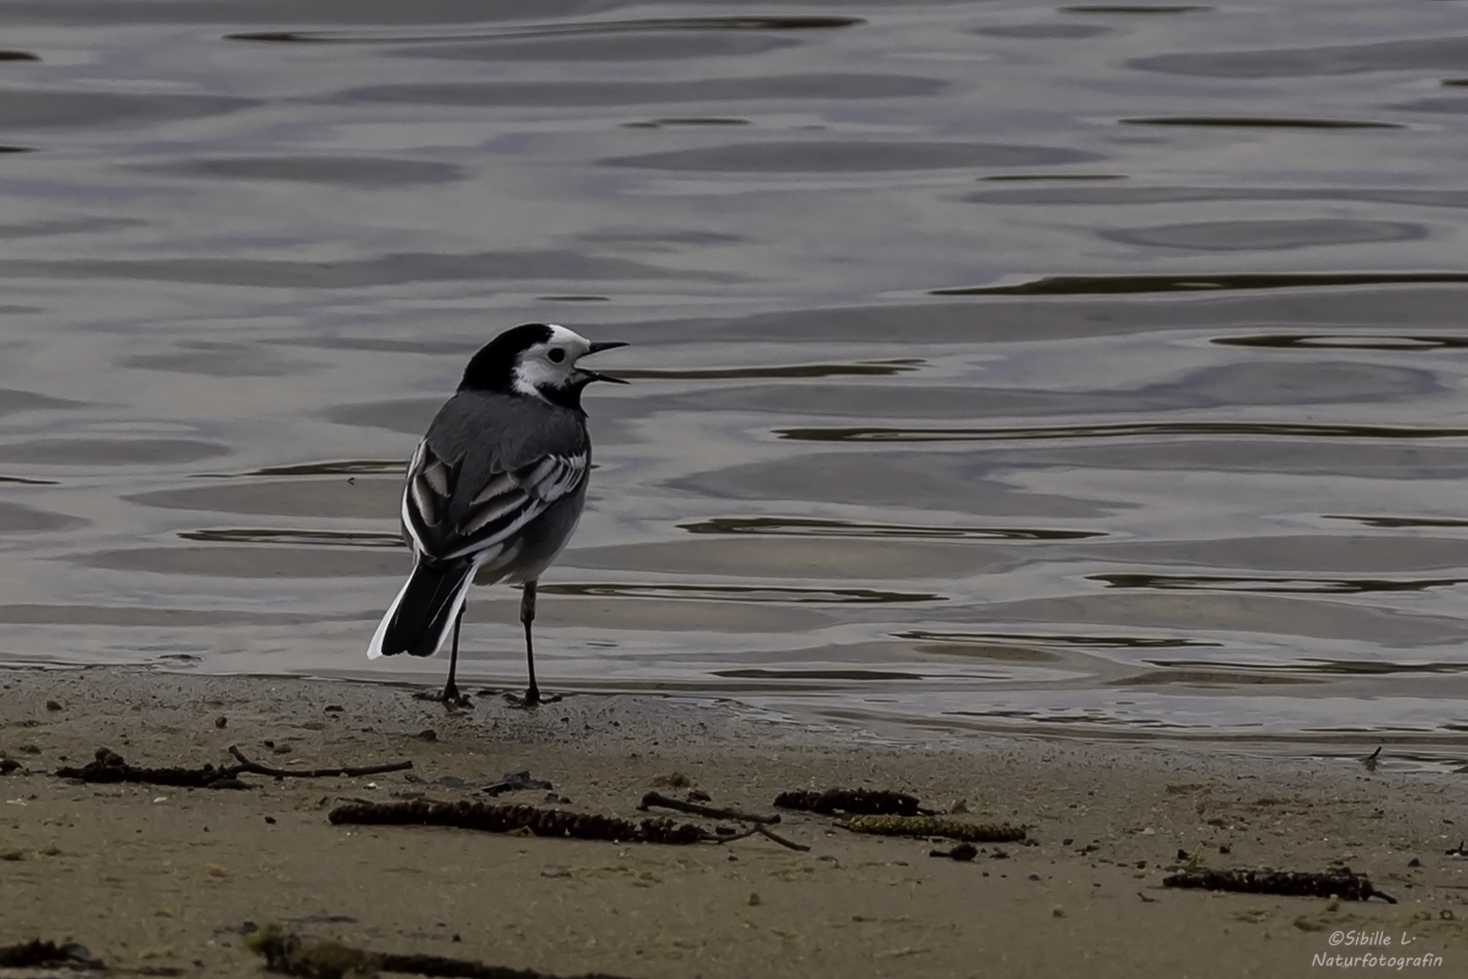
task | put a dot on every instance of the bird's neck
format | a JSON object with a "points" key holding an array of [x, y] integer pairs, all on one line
{"points": [[563, 397]]}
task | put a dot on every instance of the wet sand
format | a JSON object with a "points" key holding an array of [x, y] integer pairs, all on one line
{"points": [[150, 877]]}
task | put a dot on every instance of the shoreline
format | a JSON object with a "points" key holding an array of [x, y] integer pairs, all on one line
{"points": [[161, 877], [800, 710]]}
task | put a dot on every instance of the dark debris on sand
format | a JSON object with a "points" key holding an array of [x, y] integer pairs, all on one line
{"points": [[855, 802], [937, 826], [509, 818], [110, 767], [36, 954], [294, 955], [517, 782], [1347, 886]]}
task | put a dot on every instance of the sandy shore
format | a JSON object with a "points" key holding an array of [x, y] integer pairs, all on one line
{"points": [[150, 877]]}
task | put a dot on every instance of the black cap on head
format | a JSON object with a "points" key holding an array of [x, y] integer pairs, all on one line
{"points": [[492, 368]]}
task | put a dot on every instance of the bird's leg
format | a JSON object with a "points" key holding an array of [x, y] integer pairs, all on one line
{"points": [[527, 616], [451, 696], [451, 693]]}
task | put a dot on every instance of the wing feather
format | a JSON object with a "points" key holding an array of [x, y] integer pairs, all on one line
{"points": [[417, 498], [486, 514], [498, 486], [553, 476], [425, 500], [500, 505], [437, 477]]}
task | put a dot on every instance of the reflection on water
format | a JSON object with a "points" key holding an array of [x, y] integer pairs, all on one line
{"points": [[1054, 639], [1415, 54], [781, 371], [983, 353], [1134, 8], [664, 123], [1049, 177], [1327, 586], [1404, 521], [739, 593], [817, 675], [766, 23], [1195, 678], [1345, 342], [799, 527], [1260, 122], [831, 156], [349, 467], [1099, 285], [333, 538], [1332, 667], [1137, 430]]}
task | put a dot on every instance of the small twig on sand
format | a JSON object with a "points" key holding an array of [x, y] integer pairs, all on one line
{"points": [[664, 802], [759, 829], [762, 830], [1349, 887], [293, 955], [760, 823], [245, 765]]}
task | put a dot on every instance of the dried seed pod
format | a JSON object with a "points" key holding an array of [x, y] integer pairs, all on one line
{"points": [[295, 955], [109, 767], [937, 826], [508, 818], [1351, 887], [36, 954], [858, 802]]}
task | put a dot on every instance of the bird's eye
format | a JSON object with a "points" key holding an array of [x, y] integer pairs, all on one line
{"points": [[556, 355]]}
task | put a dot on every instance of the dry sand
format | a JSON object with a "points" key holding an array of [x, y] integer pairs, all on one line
{"points": [[165, 878]]}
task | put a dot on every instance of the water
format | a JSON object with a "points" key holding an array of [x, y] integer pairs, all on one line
{"points": [[1092, 370]]}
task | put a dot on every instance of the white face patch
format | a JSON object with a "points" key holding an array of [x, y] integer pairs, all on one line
{"points": [[550, 364]]}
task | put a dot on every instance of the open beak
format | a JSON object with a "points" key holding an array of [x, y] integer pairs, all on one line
{"points": [[597, 348]]}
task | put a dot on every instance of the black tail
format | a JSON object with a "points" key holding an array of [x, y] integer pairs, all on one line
{"points": [[420, 619]]}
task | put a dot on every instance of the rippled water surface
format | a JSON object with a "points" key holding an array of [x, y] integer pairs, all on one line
{"points": [[1091, 369]]}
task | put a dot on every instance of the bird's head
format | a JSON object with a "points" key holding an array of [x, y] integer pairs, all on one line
{"points": [[538, 360]]}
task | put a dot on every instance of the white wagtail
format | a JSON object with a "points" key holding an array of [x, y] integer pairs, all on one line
{"points": [[494, 490]]}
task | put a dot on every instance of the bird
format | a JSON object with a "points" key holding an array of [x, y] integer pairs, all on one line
{"points": [[494, 490]]}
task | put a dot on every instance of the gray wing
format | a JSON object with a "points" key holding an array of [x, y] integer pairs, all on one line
{"points": [[489, 466]]}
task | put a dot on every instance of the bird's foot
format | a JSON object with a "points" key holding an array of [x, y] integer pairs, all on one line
{"points": [[449, 696], [533, 698]]}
